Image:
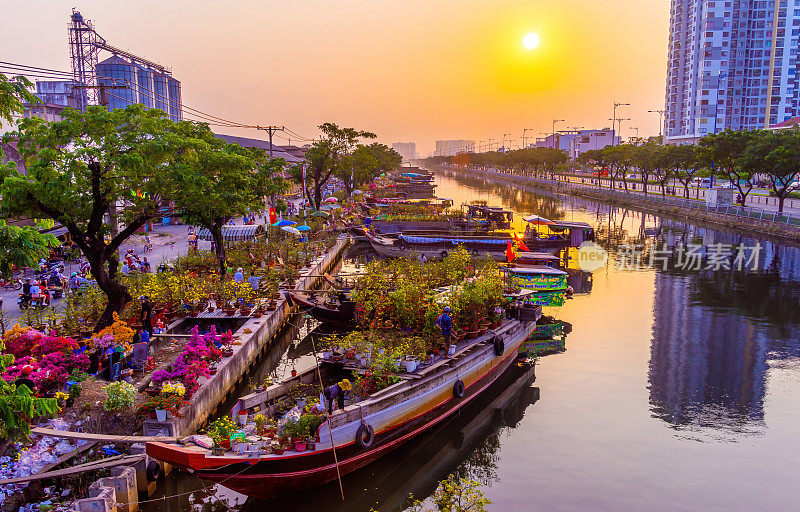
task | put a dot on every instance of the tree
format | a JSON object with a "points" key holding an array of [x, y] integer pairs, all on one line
{"points": [[91, 166], [365, 163], [20, 246], [682, 161], [324, 158], [215, 181], [720, 153], [648, 160], [776, 154]]}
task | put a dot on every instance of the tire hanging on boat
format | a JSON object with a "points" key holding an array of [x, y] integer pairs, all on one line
{"points": [[458, 388], [444, 254], [402, 245], [361, 441], [499, 346]]}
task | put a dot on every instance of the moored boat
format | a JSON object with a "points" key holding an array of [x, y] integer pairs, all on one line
{"points": [[338, 310], [537, 278], [364, 430]]}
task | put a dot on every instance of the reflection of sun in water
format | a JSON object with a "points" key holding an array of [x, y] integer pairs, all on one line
{"points": [[531, 40]]}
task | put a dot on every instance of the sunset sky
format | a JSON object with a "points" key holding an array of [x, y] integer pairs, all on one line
{"points": [[409, 70]]}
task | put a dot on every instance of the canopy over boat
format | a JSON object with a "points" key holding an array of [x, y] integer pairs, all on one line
{"points": [[234, 233]]}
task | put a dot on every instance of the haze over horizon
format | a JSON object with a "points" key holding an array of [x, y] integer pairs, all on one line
{"points": [[417, 71]]}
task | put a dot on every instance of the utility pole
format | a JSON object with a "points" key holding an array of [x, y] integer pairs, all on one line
{"points": [[660, 120], [614, 120], [270, 130], [637, 130], [504, 141], [490, 144], [554, 130]]}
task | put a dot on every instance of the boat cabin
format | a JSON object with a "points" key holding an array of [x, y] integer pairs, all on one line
{"points": [[571, 233], [490, 214]]}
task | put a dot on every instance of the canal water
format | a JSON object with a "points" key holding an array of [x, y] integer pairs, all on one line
{"points": [[678, 390]]}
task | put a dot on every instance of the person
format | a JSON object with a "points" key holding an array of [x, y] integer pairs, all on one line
{"points": [[239, 275], [338, 391], [445, 324], [125, 268], [253, 280], [26, 288], [25, 379], [192, 240], [213, 245], [44, 293], [146, 315], [145, 265], [148, 244], [74, 282], [36, 291]]}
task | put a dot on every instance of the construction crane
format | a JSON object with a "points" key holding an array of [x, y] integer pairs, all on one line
{"points": [[85, 45]]}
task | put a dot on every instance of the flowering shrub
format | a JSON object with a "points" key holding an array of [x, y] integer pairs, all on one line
{"points": [[122, 334], [193, 362], [51, 372], [173, 388], [103, 342], [120, 395], [169, 403]]}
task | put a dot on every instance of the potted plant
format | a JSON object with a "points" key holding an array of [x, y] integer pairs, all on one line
{"points": [[242, 417], [160, 405]]}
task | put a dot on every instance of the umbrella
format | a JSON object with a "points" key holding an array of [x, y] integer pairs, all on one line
{"points": [[303, 228], [536, 219], [321, 213], [283, 222], [291, 229], [330, 199]]}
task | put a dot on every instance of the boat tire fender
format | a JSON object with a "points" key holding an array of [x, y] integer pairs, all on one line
{"points": [[402, 245], [444, 254], [458, 388], [153, 471], [499, 346], [364, 436]]}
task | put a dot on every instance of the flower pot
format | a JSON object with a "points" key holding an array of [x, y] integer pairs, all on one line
{"points": [[213, 370], [451, 350], [278, 450], [161, 415], [242, 417], [410, 365], [299, 446], [226, 444]]}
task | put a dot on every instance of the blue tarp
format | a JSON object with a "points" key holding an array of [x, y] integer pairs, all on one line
{"points": [[454, 241]]}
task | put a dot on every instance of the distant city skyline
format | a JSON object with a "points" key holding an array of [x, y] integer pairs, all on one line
{"points": [[413, 71]]}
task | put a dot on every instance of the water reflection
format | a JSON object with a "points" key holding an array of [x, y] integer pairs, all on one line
{"points": [[715, 332]]}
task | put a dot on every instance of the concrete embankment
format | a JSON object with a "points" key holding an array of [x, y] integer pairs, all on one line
{"points": [[740, 224]]}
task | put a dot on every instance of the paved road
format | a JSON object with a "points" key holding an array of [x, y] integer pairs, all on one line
{"points": [[169, 242]]}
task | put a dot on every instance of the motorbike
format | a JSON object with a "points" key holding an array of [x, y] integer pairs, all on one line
{"points": [[25, 301], [11, 284]]}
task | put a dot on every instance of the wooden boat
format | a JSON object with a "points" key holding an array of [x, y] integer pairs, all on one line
{"points": [[489, 215], [363, 431], [537, 278], [339, 312], [437, 247]]}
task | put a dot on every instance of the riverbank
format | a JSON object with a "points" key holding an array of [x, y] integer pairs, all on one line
{"points": [[746, 225]]}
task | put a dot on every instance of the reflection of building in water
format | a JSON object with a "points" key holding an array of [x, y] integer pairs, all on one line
{"points": [[706, 368]]}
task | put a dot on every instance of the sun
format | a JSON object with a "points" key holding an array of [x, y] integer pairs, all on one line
{"points": [[531, 40]]}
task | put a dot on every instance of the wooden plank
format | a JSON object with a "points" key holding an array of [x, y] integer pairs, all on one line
{"points": [[64, 458], [121, 460], [89, 436]]}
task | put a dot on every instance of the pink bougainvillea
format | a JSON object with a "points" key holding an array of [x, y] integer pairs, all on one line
{"points": [[193, 361]]}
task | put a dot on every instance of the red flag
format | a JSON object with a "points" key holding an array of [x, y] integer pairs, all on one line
{"points": [[510, 254], [273, 217], [520, 244]]}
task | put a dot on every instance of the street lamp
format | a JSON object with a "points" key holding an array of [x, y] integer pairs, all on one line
{"points": [[619, 131], [660, 119], [635, 128], [504, 141], [614, 120], [523, 136], [490, 144], [554, 130]]}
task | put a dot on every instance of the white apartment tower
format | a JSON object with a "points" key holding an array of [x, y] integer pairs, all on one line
{"points": [[732, 64]]}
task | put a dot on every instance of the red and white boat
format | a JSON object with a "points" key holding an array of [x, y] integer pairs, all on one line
{"points": [[365, 430]]}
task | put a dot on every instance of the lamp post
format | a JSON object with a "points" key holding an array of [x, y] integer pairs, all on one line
{"points": [[619, 131], [635, 128], [614, 119], [504, 141], [554, 130], [660, 119], [523, 136]]}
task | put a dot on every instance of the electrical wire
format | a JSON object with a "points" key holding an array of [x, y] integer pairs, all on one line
{"points": [[49, 73]]}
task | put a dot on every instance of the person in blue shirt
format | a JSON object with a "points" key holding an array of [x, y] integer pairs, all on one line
{"points": [[253, 280], [445, 324], [239, 275], [337, 392]]}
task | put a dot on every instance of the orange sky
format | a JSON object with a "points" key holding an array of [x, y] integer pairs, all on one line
{"points": [[409, 70]]}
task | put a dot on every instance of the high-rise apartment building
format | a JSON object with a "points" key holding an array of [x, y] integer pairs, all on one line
{"points": [[454, 147], [408, 150], [732, 64]]}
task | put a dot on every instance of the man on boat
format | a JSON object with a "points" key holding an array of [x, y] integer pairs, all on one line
{"points": [[445, 323], [338, 391]]}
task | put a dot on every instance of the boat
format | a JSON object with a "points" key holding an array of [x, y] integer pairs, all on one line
{"points": [[489, 215], [338, 311], [364, 431], [538, 278], [436, 247]]}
